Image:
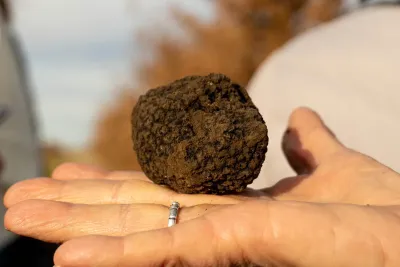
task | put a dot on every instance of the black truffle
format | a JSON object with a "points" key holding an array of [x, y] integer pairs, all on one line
{"points": [[200, 134]]}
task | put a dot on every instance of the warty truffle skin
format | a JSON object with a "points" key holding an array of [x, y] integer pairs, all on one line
{"points": [[199, 135]]}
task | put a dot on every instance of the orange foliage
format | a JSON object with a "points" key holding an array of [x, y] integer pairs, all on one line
{"points": [[244, 33], [318, 11], [54, 154], [112, 142]]}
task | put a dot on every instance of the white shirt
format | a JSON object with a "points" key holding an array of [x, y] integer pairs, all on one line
{"points": [[348, 71]]}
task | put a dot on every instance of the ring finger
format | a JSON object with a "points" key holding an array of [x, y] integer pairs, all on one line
{"points": [[53, 221]]}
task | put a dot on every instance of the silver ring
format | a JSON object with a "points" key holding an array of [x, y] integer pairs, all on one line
{"points": [[173, 213]]}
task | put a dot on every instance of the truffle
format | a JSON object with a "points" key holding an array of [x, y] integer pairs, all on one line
{"points": [[199, 135]]}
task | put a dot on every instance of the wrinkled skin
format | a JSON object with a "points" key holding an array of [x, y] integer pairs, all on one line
{"points": [[342, 210]]}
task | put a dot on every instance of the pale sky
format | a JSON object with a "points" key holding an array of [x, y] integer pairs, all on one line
{"points": [[80, 51]]}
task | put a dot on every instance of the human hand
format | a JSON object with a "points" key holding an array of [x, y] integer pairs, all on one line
{"points": [[85, 200], [365, 235]]}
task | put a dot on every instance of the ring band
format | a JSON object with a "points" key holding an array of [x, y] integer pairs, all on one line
{"points": [[173, 213]]}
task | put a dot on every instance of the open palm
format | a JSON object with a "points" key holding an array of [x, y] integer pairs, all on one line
{"points": [[342, 210]]}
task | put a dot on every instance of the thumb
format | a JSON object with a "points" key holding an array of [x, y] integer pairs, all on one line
{"points": [[308, 141]]}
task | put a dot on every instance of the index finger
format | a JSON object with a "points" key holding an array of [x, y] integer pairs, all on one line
{"points": [[76, 171]]}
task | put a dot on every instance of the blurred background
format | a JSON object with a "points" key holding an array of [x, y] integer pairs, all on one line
{"points": [[85, 59], [88, 61]]}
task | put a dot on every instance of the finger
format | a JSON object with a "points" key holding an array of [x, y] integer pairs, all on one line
{"points": [[71, 171], [291, 188], [127, 175], [74, 171], [124, 251], [52, 221], [105, 192], [341, 236], [308, 142], [88, 191]]}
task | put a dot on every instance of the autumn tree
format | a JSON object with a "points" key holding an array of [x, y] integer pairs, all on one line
{"points": [[112, 140], [243, 34]]}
